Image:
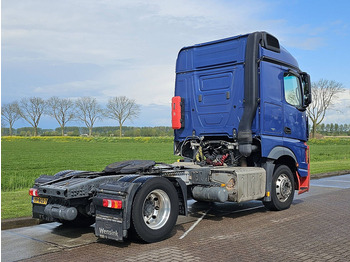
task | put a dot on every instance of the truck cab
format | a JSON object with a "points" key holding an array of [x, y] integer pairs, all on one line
{"points": [[241, 101]]}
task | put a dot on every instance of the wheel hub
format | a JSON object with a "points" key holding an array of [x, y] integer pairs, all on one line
{"points": [[156, 209], [149, 208], [283, 187]]}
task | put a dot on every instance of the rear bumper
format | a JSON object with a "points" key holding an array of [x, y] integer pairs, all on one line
{"points": [[38, 212]]}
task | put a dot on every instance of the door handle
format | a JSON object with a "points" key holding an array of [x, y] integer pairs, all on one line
{"points": [[287, 130], [200, 98]]}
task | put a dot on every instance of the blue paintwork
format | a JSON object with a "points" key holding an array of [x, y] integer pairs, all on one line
{"points": [[210, 78]]}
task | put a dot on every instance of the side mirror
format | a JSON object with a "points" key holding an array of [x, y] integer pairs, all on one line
{"points": [[307, 98]]}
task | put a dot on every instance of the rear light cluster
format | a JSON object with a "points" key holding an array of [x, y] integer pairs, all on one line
{"points": [[111, 203], [177, 112], [33, 192]]}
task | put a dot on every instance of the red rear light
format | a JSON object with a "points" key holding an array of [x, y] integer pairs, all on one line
{"points": [[33, 192], [111, 203], [177, 112]]}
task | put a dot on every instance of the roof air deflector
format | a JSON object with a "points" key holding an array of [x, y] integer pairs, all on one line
{"points": [[270, 42]]}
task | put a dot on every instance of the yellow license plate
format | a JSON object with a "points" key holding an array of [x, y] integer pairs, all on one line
{"points": [[39, 200]]}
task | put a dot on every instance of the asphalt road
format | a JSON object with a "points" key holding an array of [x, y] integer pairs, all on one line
{"points": [[315, 228]]}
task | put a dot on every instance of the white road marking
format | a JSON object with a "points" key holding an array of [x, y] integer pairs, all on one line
{"points": [[206, 212], [195, 224]]}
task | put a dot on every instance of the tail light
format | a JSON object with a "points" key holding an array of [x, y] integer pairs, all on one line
{"points": [[112, 203], [33, 192], [177, 112]]}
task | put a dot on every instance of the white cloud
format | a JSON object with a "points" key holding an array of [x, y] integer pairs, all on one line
{"points": [[339, 113], [152, 84], [107, 31], [133, 44], [68, 89], [136, 42]]}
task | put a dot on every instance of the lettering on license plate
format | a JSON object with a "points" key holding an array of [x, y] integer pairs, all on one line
{"points": [[39, 200]]}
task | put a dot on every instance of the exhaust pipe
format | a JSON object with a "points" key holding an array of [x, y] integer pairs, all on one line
{"points": [[251, 93]]}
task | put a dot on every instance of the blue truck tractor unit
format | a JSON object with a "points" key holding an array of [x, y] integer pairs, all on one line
{"points": [[240, 128]]}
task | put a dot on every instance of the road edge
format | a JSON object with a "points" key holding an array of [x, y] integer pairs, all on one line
{"points": [[12, 223]]}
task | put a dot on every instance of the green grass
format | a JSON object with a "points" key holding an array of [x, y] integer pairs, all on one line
{"points": [[25, 159], [329, 166], [15, 204], [330, 154]]}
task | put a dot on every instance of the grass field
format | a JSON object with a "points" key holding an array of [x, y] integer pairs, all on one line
{"points": [[331, 154], [16, 204], [24, 159]]}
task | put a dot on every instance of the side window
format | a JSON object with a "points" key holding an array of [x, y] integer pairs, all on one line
{"points": [[292, 93]]}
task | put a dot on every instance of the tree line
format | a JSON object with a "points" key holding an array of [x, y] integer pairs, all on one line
{"points": [[333, 129], [64, 110], [104, 131], [120, 108]]}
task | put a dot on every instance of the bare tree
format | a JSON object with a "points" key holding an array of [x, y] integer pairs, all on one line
{"points": [[10, 114], [122, 108], [31, 109], [88, 111], [323, 94], [62, 109]]}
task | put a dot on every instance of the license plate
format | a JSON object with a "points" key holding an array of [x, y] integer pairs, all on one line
{"points": [[39, 200]]}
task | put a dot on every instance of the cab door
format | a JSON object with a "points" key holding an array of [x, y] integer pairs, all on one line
{"points": [[294, 113]]}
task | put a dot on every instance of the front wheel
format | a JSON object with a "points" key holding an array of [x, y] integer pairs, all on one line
{"points": [[155, 210], [282, 192]]}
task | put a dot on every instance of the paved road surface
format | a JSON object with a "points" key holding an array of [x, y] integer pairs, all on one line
{"points": [[315, 228]]}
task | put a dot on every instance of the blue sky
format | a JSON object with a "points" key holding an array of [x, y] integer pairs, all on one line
{"points": [[112, 48]]}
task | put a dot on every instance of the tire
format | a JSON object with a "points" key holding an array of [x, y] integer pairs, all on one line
{"points": [[283, 187], [155, 210]]}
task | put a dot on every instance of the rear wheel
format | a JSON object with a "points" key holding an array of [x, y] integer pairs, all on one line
{"points": [[155, 210], [282, 192]]}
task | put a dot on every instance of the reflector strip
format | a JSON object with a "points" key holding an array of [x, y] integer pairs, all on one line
{"points": [[33, 192], [111, 203]]}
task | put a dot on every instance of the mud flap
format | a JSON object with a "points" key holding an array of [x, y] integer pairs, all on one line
{"points": [[109, 227], [303, 178], [113, 223]]}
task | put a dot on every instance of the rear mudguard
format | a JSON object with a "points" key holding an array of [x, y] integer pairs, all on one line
{"points": [[114, 223]]}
